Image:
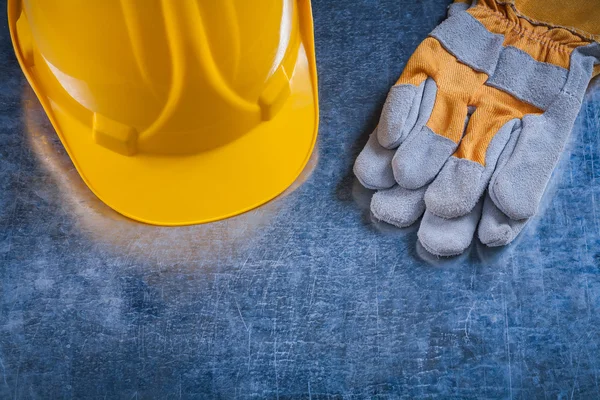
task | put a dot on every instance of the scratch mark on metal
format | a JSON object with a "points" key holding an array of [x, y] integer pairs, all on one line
{"points": [[507, 343]]}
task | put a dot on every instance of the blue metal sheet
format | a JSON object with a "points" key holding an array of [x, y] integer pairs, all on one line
{"points": [[306, 296]]}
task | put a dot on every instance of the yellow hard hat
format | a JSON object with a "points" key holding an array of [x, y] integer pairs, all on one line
{"points": [[175, 112]]}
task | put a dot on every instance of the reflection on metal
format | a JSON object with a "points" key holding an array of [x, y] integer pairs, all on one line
{"points": [[145, 242]]}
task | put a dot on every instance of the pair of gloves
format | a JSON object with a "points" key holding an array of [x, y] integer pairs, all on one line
{"points": [[470, 133]]}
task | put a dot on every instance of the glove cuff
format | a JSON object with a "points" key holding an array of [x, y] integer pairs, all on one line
{"points": [[581, 17], [544, 43]]}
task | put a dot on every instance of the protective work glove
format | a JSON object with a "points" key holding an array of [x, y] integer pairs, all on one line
{"points": [[486, 102]]}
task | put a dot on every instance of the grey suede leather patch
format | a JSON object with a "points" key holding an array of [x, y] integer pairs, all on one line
{"points": [[461, 183], [496, 228], [398, 206], [520, 179], [527, 79], [448, 237], [420, 158], [451, 194], [518, 185], [399, 114], [373, 166], [470, 42], [419, 115], [456, 8]]}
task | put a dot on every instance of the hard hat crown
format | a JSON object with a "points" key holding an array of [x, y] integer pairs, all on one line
{"points": [[168, 77]]}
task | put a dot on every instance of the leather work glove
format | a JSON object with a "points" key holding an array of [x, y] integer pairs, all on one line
{"points": [[470, 133]]}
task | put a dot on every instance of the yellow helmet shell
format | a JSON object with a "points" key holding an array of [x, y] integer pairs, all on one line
{"points": [[175, 112]]}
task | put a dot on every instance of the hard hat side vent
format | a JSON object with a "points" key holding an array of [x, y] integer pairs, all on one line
{"points": [[114, 135]]}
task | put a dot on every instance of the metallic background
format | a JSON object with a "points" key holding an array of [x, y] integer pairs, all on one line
{"points": [[306, 296]]}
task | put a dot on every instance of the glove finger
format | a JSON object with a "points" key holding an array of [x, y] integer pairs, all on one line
{"points": [[398, 206], [448, 237], [518, 184], [496, 228], [391, 133], [420, 158], [466, 175], [373, 165], [458, 7], [399, 114], [402, 107]]}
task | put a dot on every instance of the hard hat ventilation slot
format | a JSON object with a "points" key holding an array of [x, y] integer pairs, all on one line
{"points": [[115, 136]]}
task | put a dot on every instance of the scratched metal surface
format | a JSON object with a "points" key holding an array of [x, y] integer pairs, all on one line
{"points": [[306, 296]]}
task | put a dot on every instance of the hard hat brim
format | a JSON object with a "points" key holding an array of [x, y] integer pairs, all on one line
{"points": [[190, 189]]}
